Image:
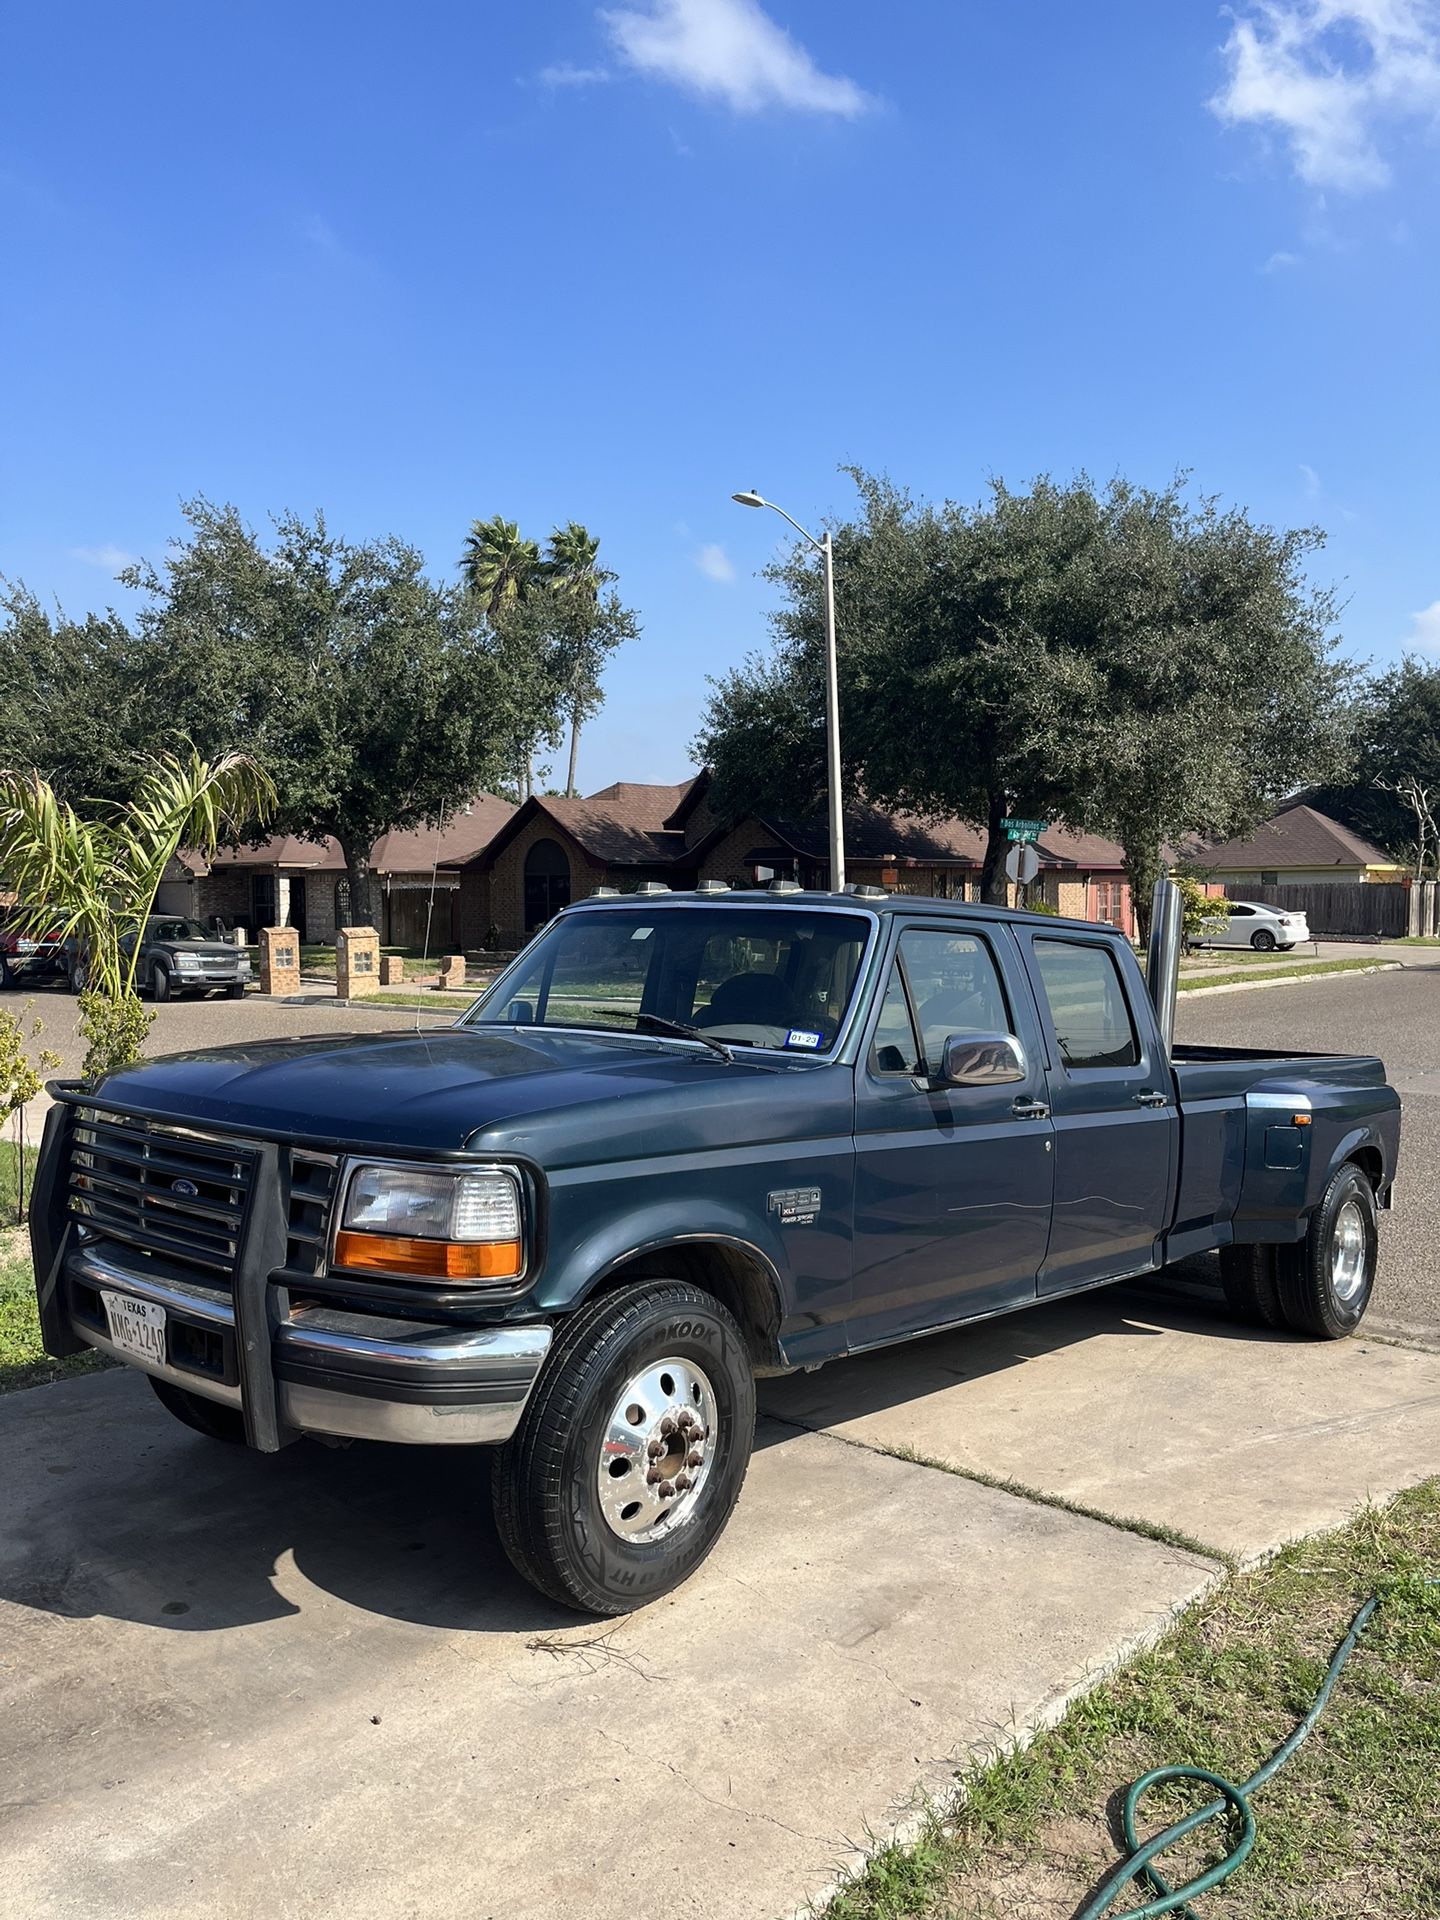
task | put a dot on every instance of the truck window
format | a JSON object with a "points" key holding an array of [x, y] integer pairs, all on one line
{"points": [[955, 987], [1088, 1008], [767, 978]]}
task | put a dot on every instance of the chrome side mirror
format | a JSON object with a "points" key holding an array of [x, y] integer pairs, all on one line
{"points": [[982, 1060]]}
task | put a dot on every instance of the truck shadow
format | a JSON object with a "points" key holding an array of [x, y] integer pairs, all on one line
{"points": [[110, 1509], [1180, 1299]]}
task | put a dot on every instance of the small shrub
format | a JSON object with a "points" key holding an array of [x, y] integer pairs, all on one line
{"points": [[114, 1032]]}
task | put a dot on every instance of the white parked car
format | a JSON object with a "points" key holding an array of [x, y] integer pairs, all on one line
{"points": [[1252, 924]]}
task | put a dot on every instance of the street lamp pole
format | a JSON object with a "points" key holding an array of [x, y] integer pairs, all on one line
{"points": [[825, 548]]}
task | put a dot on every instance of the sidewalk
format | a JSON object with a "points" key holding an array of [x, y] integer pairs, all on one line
{"points": [[311, 1685]]}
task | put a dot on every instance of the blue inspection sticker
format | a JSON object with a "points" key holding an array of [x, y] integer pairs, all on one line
{"points": [[798, 1037]]}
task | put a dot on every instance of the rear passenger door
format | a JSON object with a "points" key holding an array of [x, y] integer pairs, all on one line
{"points": [[1111, 1094], [952, 1184]]}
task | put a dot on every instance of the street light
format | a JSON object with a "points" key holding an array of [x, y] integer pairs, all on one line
{"points": [[832, 684]]}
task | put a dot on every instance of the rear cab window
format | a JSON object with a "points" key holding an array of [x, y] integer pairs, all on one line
{"points": [[1088, 1006]]}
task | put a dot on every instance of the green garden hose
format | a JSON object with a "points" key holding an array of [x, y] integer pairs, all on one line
{"points": [[1139, 1867]]}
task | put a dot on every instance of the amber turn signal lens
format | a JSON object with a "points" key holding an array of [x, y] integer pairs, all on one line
{"points": [[429, 1259]]}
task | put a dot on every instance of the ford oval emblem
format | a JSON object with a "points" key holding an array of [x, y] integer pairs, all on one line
{"points": [[187, 1187]]}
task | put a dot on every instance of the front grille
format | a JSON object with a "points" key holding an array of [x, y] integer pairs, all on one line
{"points": [[179, 1195]]}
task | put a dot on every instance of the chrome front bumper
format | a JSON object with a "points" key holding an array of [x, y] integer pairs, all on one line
{"points": [[422, 1385]]}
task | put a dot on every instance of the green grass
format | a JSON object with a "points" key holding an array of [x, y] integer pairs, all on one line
{"points": [[1414, 940], [1190, 981], [1350, 1827], [23, 1361]]}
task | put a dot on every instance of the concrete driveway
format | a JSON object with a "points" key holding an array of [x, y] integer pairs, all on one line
{"points": [[310, 1686]]}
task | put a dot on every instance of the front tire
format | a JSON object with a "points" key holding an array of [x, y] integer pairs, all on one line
{"points": [[193, 1410], [159, 983], [236, 991], [1327, 1280], [9, 981], [1263, 942], [632, 1449]]}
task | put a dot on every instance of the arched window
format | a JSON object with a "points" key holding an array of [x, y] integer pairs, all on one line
{"points": [[547, 883]]}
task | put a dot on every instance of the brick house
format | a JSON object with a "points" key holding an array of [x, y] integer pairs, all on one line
{"points": [[290, 882], [553, 851]]}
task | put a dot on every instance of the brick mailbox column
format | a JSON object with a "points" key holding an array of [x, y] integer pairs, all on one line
{"points": [[357, 962], [452, 971], [392, 971], [279, 960]]}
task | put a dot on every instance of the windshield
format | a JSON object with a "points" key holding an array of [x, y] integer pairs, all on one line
{"points": [[768, 978], [167, 929]]}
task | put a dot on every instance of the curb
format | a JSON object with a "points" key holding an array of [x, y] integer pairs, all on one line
{"points": [[1292, 979]]}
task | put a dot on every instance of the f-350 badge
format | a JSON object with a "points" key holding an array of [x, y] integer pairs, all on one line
{"points": [[795, 1206]]}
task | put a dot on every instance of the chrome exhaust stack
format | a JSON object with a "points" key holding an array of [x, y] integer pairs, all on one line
{"points": [[1162, 960]]}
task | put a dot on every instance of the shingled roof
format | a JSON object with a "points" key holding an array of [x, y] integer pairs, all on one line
{"points": [[621, 826], [401, 850], [903, 839], [1297, 837]]}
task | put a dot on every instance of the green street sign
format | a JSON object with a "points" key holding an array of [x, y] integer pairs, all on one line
{"points": [[1025, 829]]}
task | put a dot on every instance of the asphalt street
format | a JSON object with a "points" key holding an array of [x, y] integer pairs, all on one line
{"points": [[1396, 1015]]}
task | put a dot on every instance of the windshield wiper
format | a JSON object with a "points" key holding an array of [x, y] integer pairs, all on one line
{"points": [[656, 1023]]}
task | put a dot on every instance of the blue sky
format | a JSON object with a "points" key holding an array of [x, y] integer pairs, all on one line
{"points": [[418, 264]]}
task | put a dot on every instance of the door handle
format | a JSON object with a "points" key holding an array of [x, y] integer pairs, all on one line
{"points": [[1027, 1109], [1147, 1097]]}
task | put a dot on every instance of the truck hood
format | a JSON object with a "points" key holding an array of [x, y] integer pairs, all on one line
{"points": [[434, 1091]]}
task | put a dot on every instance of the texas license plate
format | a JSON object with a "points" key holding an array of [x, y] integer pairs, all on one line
{"points": [[136, 1326]]}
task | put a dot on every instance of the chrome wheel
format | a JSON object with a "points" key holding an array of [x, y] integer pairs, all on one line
{"points": [[656, 1453], [1349, 1250]]}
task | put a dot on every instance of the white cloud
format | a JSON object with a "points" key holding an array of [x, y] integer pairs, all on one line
{"points": [[1312, 481], [564, 75], [1278, 262], [112, 559], [1334, 76], [715, 563], [1425, 628], [729, 50]]}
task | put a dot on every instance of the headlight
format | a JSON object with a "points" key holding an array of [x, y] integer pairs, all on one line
{"points": [[186, 961], [242, 965], [452, 1225]]}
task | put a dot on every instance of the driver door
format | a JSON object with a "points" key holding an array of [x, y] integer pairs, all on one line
{"points": [[952, 1184]]}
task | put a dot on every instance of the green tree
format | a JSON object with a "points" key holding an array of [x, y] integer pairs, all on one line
{"points": [[1393, 797], [94, 880], [374, 696], [498, 564], [70, 699], [1125, 661], [1222, 688], [964, 689]]}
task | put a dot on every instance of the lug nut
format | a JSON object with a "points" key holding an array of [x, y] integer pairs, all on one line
{"points": [[667, 1425], [652, 1478], [682, 1483], [694, 1457], [655, 1449], [667, 1489]]}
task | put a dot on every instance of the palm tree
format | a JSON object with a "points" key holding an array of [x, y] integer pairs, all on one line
{"points": [[498, 564], [95, 880], [572, 568]]}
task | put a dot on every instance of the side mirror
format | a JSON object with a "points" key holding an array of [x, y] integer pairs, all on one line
{"points": [[982, 1060]]}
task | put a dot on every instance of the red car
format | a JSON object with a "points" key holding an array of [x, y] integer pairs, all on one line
{"points": [[26, 955]]}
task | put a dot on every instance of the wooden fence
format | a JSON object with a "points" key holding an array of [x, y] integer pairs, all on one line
{"points": [[1359, 909]]}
